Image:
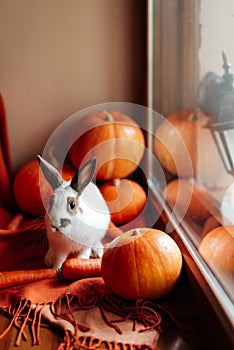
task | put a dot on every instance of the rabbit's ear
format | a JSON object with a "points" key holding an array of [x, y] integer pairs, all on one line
{"points": [[51, 174], [83, 176]]}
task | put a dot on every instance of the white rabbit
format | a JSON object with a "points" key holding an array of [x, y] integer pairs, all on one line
{"points": [[77, 217]]}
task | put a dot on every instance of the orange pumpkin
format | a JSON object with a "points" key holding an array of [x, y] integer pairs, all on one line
{"points": [[125, 199], [31, 190], [185, 198], [28, 191], [67, 171], [183, 146], [210, 223], [115, 139], [217, 248], [142, 263]]}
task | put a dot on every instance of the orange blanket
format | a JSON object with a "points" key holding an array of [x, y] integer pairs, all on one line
{"points": [[88, 312]]}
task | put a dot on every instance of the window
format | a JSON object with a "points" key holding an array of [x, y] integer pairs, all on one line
{"points": [[190, 45]]}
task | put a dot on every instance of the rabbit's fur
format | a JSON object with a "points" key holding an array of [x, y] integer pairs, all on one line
{"points": [[77, 217]]}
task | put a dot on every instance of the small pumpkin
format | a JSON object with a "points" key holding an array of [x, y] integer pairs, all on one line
{"points": [[183, 146], [142, 263], [31, 190], [217, 248], [125, 199], [186, 199], [113, 138]]}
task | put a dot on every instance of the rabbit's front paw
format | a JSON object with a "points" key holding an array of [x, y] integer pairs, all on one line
{"points": [[98, 250], [55, 259], [85, 253]]}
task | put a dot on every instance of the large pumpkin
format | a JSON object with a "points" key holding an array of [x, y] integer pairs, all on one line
{"points": [[67, 171], [32, 191], [187, 199], [125, 199], [115, 139], [184, 146], [217, 248], [142, 263]]}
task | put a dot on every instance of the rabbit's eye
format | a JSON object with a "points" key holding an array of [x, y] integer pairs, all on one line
{"points": [[72, 204]]}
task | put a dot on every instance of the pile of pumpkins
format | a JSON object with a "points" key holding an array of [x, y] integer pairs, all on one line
{"points": [[142, 262], [177, 144], [181, 144], [117, 143]]}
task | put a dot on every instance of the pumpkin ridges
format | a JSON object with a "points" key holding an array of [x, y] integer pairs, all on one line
{"points": [[159, 262], [166, 256], [136, 277], [163, 257], [142, 280], [114, 264], [135, 272], [95, 130], [109, 166]]}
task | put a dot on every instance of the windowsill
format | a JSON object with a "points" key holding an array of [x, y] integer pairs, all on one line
{"points": [[187, 234]]}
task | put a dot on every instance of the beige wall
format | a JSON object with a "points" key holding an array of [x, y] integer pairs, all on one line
{"points": [[59, 56]]}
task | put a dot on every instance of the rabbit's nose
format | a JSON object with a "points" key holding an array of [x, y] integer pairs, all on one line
{"points": [[64, 222]]}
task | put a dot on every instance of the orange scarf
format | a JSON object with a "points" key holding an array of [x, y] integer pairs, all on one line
{"points": [[87, 311]]}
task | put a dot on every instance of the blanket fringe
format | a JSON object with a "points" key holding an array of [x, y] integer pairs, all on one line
{"points": [[142, 311], [25, 313], [70, 342], [18, 315]]}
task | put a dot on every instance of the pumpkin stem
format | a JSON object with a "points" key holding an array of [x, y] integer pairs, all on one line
{"points": [[108, 116], [194, 115], [136, 232], [116, 182]]}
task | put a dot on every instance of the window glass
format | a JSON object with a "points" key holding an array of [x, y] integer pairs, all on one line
{"points": [[192, 88]]}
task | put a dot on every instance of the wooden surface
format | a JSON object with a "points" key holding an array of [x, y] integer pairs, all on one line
{"points": [[49, 338]]}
